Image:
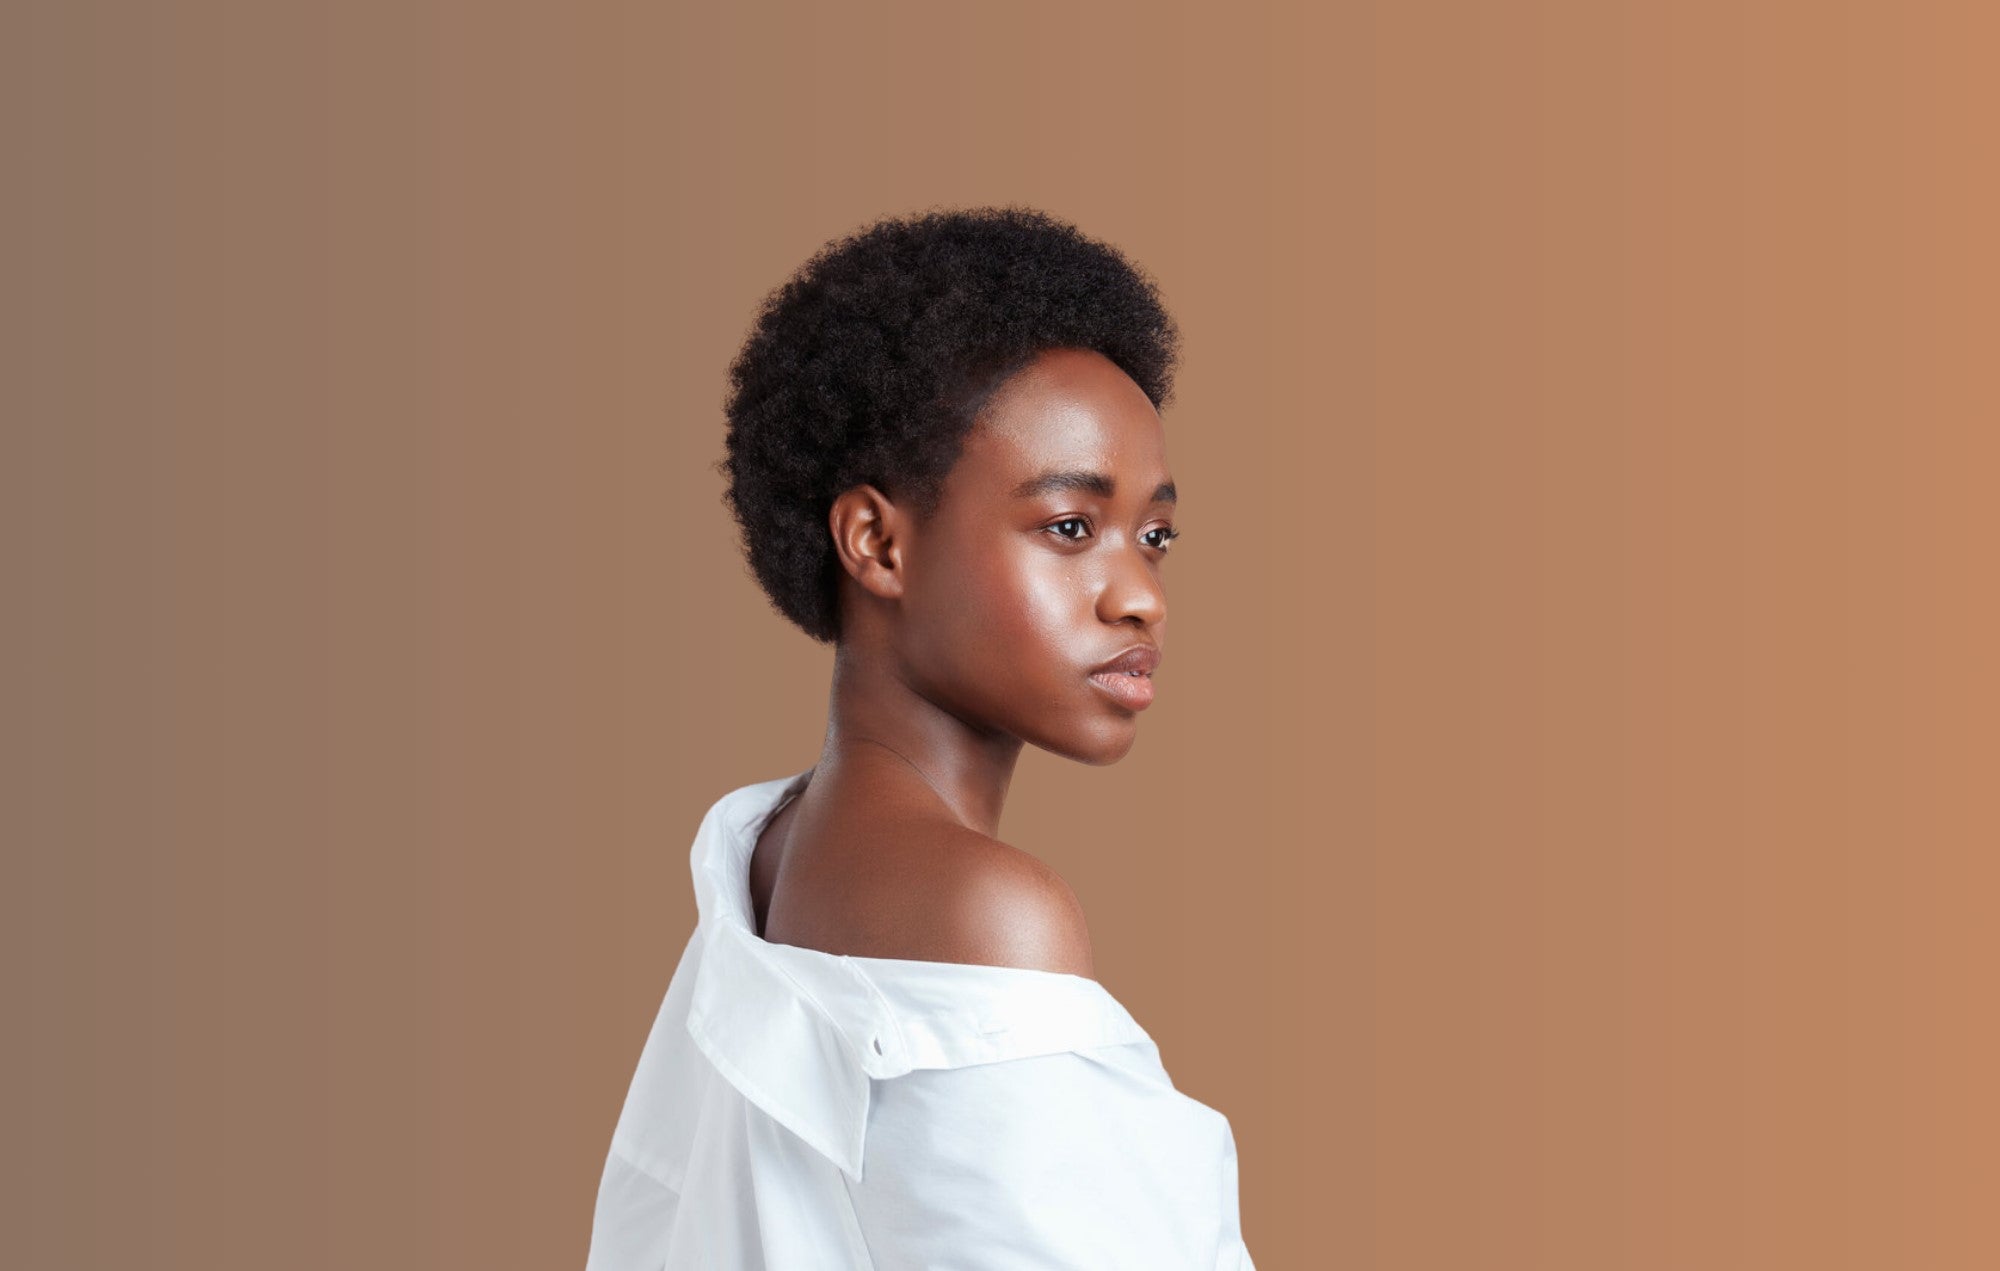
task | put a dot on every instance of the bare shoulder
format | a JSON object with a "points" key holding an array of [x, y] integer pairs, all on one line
{"points": [[1006, 907], [929, 892]]}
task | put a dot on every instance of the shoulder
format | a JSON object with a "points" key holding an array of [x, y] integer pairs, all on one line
{"points": [[1005, 907], [929, 892]]}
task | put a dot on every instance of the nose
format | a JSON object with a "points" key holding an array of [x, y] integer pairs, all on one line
{"points": [[1133, 589]]}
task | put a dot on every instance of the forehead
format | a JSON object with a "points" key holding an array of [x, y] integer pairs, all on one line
{"points": [[1070, 408]]}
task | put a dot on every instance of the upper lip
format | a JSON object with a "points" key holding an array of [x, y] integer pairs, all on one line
{"points": [[1140, 657]]}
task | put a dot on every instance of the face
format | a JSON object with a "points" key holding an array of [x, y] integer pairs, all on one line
{"points": [[1045, 560]]}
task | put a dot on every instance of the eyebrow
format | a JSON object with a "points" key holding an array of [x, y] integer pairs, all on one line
{"points": [[1086, 482]]}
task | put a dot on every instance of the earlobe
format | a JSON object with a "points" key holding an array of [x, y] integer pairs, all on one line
{"points": [[864, 526]]}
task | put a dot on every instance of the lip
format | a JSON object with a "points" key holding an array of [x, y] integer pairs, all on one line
{"points": [[1128, 678], [1133, 692], [1143, 658]]}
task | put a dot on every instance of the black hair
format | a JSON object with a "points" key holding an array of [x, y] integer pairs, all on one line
{"points": [[872, 362]]}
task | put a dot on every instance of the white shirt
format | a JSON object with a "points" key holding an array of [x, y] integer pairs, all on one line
{"points": [[794, 1109]]}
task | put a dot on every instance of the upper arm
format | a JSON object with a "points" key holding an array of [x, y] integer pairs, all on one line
{"points": [[1012, 910]]}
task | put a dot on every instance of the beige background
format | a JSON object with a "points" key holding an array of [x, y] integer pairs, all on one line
{"points": [[1565, 837]]}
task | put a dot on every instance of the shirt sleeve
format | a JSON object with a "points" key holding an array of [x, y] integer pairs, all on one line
{"points": [[1085, 1159]]}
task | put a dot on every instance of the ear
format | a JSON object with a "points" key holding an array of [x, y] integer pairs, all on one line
{"points": [[868, 532]]}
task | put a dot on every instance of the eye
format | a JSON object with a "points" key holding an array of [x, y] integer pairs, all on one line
{"points": [[1166, 533]]}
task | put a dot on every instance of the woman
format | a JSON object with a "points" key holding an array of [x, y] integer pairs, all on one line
{"points": [[883, 1046]]}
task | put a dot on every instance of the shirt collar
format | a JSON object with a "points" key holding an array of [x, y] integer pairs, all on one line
{"points": [[802, 1033]]}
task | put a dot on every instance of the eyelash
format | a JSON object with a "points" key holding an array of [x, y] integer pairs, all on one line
{"points": [[1168, 532]]}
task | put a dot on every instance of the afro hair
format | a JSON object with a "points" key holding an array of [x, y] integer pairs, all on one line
{"points": [[872, 362]]}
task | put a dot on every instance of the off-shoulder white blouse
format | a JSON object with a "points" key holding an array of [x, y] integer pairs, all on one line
{"points": [[796, 1109]]}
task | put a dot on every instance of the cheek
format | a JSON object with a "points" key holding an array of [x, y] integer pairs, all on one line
{"points": [[1011, 596], [1050, 599]]}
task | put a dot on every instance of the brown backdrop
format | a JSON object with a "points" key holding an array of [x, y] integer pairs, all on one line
{"points": [[1566, 836]]}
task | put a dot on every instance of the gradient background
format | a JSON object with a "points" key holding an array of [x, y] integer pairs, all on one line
{"points": [[1566, 836]]}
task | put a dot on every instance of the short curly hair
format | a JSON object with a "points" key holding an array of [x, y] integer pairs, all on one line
{"points": [[872, 362]]}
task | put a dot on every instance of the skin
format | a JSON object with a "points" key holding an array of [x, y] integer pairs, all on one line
{"points": [[963, 638]]}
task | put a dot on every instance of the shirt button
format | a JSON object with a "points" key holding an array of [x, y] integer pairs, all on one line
{"points": [[878, 1045]]}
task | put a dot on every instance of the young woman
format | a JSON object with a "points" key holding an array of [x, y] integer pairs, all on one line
{"points": [[883, 1046]]}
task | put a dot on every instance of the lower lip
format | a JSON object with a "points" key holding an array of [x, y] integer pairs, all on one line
{"points": [[1134, 692]]}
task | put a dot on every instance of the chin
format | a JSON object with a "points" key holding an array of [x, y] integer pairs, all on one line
{"points": [[1098, 747]]}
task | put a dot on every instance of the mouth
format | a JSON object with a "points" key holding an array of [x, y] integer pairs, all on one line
{"points": [[1131, 689]]}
